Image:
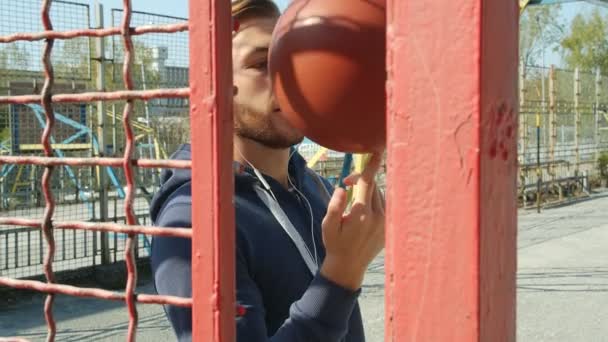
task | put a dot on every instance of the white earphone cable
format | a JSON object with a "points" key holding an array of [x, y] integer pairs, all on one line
{"points": [[312, 218], [267, 187]]}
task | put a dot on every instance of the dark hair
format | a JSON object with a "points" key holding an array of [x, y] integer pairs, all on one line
{"points": [[242, 9]]}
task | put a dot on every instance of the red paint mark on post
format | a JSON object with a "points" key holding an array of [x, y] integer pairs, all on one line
{"points": [[501, 129]]}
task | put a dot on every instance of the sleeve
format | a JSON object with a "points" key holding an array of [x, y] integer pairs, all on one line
{"points": [[330, 188], [170, 261], [322, 314]]}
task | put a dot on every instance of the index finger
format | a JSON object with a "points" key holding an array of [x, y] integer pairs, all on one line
{"points": [[365, 184]]}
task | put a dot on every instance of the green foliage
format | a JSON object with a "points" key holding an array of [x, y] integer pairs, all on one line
{"points": [[143, 55], [4, 134], [602, 165], [587, 44], [14, 56], [71, 59]]}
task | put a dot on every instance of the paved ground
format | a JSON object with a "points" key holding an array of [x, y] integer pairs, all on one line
{"points": [[562, 289], [84, 320], [563, 274], [22, 249]]}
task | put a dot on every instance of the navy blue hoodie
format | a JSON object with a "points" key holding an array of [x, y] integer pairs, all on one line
{"points": [[282, 299]]}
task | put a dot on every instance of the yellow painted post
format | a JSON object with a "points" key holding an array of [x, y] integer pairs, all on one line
{"points": [[539, 172], [17, 179], [577, 122], [360, 162], [552, 123], [315, 159], [598, 93]]}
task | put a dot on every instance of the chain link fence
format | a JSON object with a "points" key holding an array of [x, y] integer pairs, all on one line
{"points": [[21, 72], [162, 61], [563, 132]]}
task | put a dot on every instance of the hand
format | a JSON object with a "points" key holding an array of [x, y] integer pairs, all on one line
{"points": [[352, 240]]}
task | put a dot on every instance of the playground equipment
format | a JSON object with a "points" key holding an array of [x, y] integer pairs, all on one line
{"points": [[23, 177], [22, 186], [23, 190], [5, 147], [143, 131]]}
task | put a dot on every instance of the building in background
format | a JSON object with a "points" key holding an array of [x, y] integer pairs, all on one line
{"points": [[171, 77]]}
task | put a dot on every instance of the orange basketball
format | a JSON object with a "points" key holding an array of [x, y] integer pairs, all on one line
{"points": [[328, 68]]}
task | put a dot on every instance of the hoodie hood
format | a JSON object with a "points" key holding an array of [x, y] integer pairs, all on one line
{"points": [[173, 179], [170, 181]]}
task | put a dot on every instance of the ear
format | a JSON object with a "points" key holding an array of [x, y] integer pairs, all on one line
{"points": [[235, 90]]}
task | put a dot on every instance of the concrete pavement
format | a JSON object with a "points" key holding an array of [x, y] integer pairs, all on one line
{"points": [[562, 289]]}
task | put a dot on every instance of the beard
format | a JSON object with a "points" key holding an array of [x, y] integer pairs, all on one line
{"points": [[262, 129]]}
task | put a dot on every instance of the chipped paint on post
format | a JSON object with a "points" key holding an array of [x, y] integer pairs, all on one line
{"points": [[213, 213], [452, 156]]}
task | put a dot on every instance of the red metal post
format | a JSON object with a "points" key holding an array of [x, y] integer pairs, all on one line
{"points": [[47, 226], [211, 120], [128, 162], [451, 247]]}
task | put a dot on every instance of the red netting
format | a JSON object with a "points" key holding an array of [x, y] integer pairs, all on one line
{"points": [[46, 99]]}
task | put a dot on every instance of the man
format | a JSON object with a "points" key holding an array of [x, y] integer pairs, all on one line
{"points": [[300, 258]]}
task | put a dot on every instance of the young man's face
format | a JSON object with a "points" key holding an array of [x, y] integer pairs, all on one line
{"points": [[256, 112]]}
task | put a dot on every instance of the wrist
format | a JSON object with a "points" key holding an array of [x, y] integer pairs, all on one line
{"points": [[343, 273]]}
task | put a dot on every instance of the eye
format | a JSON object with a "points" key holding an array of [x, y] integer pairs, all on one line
{"points": [[261, 65]]}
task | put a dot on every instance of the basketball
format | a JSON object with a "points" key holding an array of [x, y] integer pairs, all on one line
{"points": [[327, 63]]}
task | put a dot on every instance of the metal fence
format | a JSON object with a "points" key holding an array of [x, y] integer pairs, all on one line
{"points": [[161, 63], [54, 157], [570, 107], [72, 57], [563, 128]]}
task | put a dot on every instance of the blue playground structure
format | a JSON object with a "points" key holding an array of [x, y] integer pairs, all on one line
{"points": [[81, 132], [18, 172]]}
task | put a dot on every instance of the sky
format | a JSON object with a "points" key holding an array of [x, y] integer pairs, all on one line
{"points": [[568, 12], [179, 8]]}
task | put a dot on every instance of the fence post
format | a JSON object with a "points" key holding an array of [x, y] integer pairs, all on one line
{"points": [[577, 119], [596, 112], [114, 142], [523, 123], [452, 114], [147, 112], [539, 171], [552, 123], [523, 132], [101, 128]]}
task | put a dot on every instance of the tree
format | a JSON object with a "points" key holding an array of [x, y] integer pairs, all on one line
{"points": [[587, 45], [143, 55], [14, 56], [539, 29], [71, 58]]}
